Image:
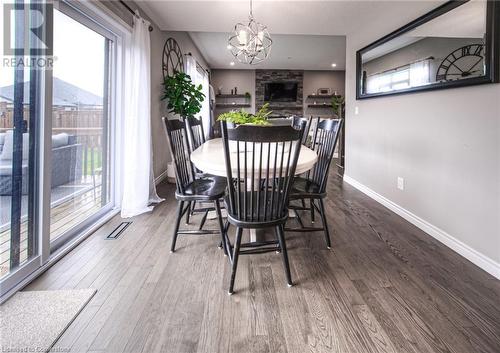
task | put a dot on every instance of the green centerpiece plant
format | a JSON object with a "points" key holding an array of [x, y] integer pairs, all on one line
{"points": [[240, 117], [183, 97]]}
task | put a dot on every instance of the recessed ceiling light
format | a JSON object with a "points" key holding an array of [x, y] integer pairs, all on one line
{"points": [[228, 47], [231, 63], [334, 65]]}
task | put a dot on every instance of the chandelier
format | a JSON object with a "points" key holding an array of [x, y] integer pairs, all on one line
{"points": [[250, 43]]}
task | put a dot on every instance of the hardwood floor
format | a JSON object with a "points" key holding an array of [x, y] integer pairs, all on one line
{"points": [[384, 287], [63, 216]]}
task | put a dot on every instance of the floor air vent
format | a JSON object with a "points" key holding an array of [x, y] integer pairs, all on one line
{"points": [[118, 230]]}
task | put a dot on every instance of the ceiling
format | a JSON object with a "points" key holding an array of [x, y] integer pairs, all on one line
{"points": [[465, 21], [293, 52], [389, 47], [309, 32]]}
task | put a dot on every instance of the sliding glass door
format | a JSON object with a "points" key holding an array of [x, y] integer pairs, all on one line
{"points": [[20, 117], [80, 123], [58, 89]]}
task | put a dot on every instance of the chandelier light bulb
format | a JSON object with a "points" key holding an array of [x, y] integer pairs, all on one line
{"points": [[243, 38]]}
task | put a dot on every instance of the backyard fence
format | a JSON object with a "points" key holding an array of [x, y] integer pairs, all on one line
{"points": [[84, 123]]}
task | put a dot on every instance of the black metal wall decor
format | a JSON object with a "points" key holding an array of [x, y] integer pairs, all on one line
{"points": [[432, 53], [455, 65], [173, 60]]}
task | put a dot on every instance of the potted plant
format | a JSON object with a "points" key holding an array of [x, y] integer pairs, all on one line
{"points": [[184, 98], [241, 117], [338, 105]]}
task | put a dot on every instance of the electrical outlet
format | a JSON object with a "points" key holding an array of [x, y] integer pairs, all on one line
{"points": [[356, 110], [401, 183]]}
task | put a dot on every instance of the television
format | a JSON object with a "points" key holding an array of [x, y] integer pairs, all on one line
{"points": [[280, 91]]}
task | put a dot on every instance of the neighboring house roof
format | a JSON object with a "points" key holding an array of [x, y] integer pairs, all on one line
{"points": [[64, 93], [3, 99]]}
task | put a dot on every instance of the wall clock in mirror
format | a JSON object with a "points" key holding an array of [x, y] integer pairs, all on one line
{"points": [[467, 61]]}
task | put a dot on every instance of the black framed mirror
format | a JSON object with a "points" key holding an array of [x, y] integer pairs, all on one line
{"points": [[457, 44]]}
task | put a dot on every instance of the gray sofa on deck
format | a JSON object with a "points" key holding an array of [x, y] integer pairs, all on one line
{"points": [[66, 161]]}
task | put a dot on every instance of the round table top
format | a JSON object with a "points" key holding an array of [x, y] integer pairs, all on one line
{"points": [[209, 158]]}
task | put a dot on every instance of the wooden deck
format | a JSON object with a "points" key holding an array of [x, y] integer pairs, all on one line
{"points": [[63, 217]]}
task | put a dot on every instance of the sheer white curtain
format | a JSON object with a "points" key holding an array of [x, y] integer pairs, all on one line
{"points": [[419, 73], [138, 180], [200, 77]]}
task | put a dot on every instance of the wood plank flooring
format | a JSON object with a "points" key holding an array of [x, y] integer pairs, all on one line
{"points": [[384, 287], [63, 216]]}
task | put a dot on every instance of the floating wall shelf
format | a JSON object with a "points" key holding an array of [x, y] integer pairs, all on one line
{"points": [[230, 96], [313, 96], [319, 105], [280, 107], [230, 105]]}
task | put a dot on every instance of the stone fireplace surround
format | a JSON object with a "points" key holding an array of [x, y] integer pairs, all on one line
{"points": [[280, 108]]}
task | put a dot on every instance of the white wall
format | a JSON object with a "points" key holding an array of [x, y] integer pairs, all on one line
{"points": [[446, 144]]}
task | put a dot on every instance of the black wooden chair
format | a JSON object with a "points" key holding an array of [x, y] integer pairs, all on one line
{"points": [[312, 185], [195, 132], [260, 165], [196, 138], [299, 121], [190, 187]]}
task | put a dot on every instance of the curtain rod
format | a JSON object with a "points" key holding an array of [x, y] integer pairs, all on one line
{"points": [[197, 63], [133, 13], [401, 66]]}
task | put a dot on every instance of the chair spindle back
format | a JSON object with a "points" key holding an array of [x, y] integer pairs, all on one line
{"points": [[260, 166], [298, 121], [196, 134], [324, 141], [179, 148]]}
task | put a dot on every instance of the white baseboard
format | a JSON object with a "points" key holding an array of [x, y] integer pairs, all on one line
{"points": [[480, 260], [161, 177]]}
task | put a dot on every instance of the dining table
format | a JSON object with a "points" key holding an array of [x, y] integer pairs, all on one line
{"points": [[209, 158]]}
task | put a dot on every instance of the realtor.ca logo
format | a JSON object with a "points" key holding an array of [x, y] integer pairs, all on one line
{"points": [[27, 36]]}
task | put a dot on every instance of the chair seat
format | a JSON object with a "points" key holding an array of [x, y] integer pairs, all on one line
{"points": [[304, 188], [204, 188]]}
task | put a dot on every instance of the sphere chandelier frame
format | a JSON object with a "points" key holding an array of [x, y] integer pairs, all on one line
{"points": [[250, 43]]}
